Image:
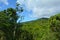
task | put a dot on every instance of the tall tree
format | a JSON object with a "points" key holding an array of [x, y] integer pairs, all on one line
{"points": [[8, 22], [9, 28]]}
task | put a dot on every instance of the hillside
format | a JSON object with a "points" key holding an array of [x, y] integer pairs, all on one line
{"points": [[41, 29]]}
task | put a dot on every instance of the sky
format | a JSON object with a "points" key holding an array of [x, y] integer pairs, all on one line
{"points": [[33, 9], [4, 4]]}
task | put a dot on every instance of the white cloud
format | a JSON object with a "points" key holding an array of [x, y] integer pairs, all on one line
{"points": [[4, 1], [42, 8], [20, 1]]}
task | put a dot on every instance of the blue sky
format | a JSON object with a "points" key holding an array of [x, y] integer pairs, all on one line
{"points": [[4, 4], [34, 9]]}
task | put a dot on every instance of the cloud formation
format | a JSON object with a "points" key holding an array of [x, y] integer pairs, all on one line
{"points": [[4, 1], [41, 8]]}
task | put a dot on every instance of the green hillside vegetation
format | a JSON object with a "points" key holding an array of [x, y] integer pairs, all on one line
{"points": [[40, 29], [55, 25]]}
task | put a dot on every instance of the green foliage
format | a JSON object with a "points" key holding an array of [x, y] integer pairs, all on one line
{"points": [[55, 25], [44, 28], [41, 29], [10, 29]]}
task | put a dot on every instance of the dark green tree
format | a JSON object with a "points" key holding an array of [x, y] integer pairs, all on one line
{"points": [[9, 28], [55, 25]]}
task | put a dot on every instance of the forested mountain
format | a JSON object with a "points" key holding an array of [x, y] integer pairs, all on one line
{"points": [[44, 28], [40, 29]]}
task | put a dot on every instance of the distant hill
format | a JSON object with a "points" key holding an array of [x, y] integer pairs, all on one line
{"points": [[40, 28]]}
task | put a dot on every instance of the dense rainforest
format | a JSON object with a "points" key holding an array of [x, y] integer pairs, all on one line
{"points": [[44, 28], [40, 29]]}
